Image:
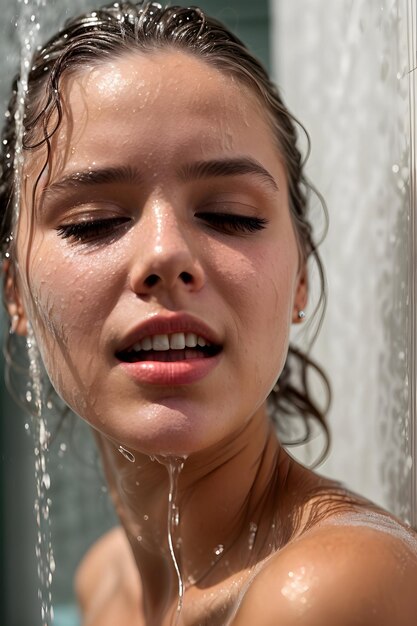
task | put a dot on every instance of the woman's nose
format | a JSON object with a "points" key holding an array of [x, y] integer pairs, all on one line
{"points": [[165, 258]]}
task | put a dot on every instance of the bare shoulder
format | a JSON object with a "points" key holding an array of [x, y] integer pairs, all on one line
{"points": [[107, 582], [357, 569]]}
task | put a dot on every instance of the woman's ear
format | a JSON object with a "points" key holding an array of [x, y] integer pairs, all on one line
{"points": [[301, 295], [14, 304]]}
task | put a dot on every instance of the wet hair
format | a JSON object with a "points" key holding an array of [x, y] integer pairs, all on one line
{"points": [[146, 27]]}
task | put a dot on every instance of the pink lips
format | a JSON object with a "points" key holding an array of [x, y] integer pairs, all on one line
{"points": [[171, 373], [167, 324], [161, 372]]}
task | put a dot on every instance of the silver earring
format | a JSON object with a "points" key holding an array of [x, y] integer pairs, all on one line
{"points": [[301, 315], [13, 324]]}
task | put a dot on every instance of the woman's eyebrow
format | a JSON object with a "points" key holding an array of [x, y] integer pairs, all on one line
{"points": [[101, 176], [226, 167], [128, 174]]}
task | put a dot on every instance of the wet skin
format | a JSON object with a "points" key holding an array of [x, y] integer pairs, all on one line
{"points": [[150, 114], [167, 229]]}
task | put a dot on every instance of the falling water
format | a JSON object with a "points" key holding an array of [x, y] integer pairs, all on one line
{"points": [[174, 466], [28, 27], [412, 81], [253, 529], [372, 206], [44, 551]]}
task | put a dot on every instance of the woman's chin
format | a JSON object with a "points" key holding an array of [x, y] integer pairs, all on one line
{"points": [[163, 431]]}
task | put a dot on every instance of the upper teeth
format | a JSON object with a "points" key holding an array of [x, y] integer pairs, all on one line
{"points": [[176, 341]]}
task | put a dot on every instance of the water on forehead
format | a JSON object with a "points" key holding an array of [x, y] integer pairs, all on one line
{"points": [[157, 96], [145, 105]]}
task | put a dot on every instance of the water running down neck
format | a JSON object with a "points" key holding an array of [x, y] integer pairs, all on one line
{"points": [[174, 466]]}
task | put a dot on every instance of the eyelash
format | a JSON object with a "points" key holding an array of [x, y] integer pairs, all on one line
{"points": [[232, 222], [90, 229], [226, 222]]}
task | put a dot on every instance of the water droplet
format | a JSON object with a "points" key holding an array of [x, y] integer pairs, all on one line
{"points": [[128, 455], [139, 538], [175, 515], [219, 549], [46, 479], [146, 517], [43, 436], [253, 529]]}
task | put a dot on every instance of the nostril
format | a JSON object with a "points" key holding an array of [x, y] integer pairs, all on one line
{"points": [[151, 280], [186, 277]]}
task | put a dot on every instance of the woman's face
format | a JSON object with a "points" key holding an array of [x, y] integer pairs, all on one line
{"points": [[163, 219]]}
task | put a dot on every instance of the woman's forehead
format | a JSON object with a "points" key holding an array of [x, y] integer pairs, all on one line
{"points": [[150, 81], [145, 104]]}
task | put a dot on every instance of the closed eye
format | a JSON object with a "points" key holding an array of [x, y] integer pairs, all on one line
{"points": [[231, 222], [90, 230]]}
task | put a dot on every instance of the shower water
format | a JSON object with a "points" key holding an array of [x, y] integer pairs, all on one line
{"points": [[44, 551], [28, 27]]}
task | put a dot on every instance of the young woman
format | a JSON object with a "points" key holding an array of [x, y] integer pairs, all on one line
{"points": [[159, 257]]}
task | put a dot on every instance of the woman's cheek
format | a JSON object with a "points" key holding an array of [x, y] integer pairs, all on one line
{"points": [[62, 305], [259, 288]]}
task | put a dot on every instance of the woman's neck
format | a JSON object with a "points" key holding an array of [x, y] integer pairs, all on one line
{"points": [[209, 516]]}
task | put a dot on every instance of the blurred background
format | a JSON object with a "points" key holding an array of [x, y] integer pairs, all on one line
{"points": [[346, 70]]}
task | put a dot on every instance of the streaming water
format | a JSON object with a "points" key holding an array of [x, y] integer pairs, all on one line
{"points": [[174, 466], [28, 26], [253, 529], [43, 549]]}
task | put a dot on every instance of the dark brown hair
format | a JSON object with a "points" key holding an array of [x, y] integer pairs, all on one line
{"points": [[121, 27]]}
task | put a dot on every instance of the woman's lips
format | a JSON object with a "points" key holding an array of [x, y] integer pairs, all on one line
{"points": [[167, 324], [167, 368], [170, 349]]}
